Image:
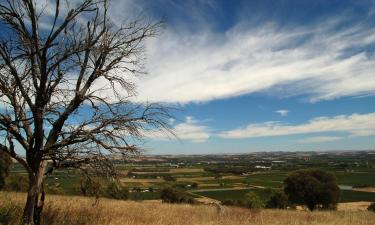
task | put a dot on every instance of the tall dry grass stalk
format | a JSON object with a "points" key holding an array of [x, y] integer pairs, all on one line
{"points": [[64, 210]]}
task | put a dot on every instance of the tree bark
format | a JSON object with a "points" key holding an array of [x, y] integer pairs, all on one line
{"points": [[33, 207]]}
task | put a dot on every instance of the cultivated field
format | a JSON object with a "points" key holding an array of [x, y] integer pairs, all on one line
{"points": [[227, 177], [64, 210]]}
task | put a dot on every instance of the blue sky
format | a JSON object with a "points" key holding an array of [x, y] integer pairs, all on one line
{"points": [[258, 75], [261, 75]]}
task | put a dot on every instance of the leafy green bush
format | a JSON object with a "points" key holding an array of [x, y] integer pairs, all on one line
{"points": [[277, 200], [253, 201], [10, 213], [170, 195], [5, 163], [53, 189], [17, 183], [116, 191], [90, 187], [371, 207]]}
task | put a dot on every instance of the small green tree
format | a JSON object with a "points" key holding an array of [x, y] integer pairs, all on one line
{"points": [[116, 191], [313, 188], [5, 162], [253, 201], [277, 200], [170, 195]]}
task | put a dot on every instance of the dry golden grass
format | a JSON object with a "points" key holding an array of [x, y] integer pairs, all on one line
{"points": [[65, 210], [353, 206]]}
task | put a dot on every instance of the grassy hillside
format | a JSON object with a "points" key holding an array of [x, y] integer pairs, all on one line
{"points": [[65, 210]]}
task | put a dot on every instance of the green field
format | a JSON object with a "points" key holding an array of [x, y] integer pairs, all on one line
{"points": [[360, 178], [236, 175], [355, 196]]}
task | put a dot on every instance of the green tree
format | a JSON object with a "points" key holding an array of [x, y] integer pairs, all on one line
{"points": [[313, 188], [253, 201], [170, 195], [5, 162]]}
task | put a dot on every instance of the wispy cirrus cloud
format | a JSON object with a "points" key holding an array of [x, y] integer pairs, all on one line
{"points": [[321, 61], [354, 125]]}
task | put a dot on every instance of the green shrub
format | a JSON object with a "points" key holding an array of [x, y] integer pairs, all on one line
{"points": [[116, 191], [55, 190], [253, 201], [277, 200], [170, 195], [17, 183], [371, 207], [10, 213], [90, 187], [5, 163]]}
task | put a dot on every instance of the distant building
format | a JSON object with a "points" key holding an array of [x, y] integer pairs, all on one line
{"points": [[263, 167]]}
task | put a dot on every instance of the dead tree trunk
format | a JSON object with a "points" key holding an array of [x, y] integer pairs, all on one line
{"points": [[35, 197], [52, 105]]}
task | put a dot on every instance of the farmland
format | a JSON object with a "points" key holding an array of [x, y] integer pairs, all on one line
{"points": [[225, 177]]}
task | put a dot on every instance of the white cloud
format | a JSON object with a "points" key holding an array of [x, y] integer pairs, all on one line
{"points": [[189, 130], [187, 67], [282, 112], [320, 61], [319, 139], [355, 125]]}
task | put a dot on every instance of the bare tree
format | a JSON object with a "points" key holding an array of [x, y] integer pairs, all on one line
{"points": [[54, 104]]}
